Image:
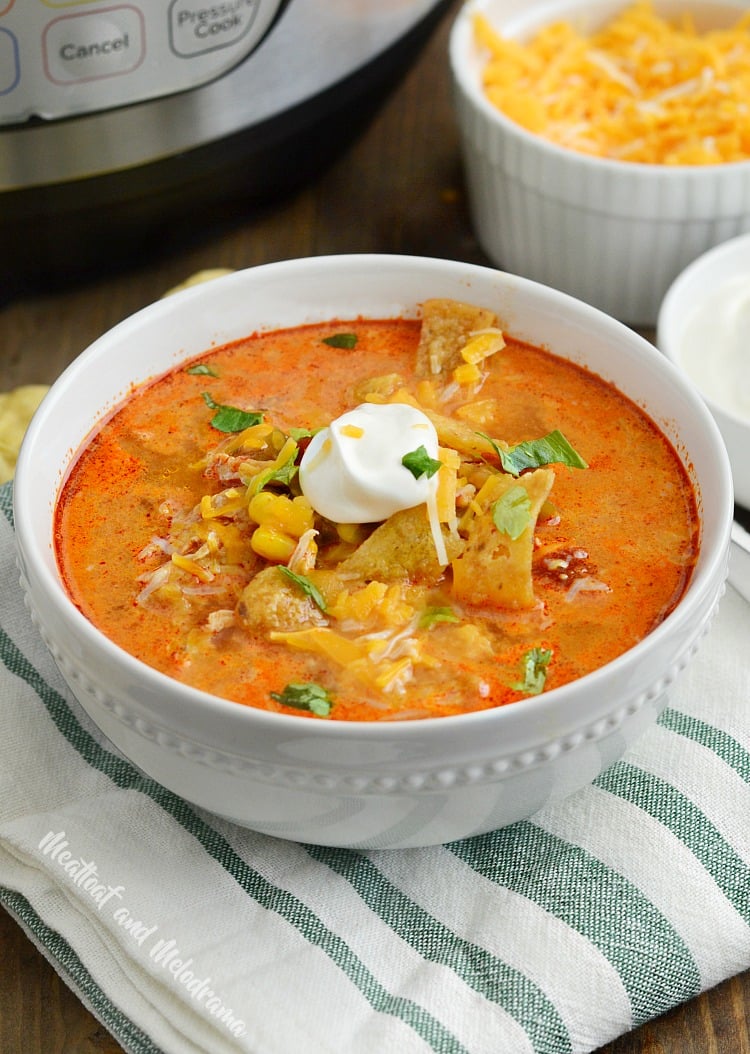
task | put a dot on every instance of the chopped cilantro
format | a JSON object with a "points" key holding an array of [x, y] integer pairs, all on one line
{"points": [[202, 369], [430, 616], [309, 696], [308, 588], [551, 449], [283, 474], [511, 513], [230, 418], [341, 340], [420, 463], [535, 663]]}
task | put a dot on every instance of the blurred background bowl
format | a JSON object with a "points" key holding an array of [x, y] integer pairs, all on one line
{"points": [[704, 328], [364, 784], [612, 233]]}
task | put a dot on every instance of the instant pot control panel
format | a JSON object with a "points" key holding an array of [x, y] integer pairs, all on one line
{"points": [[60, 58]]}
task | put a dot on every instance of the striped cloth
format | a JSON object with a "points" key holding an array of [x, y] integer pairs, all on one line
{"points": [[186, 934]]}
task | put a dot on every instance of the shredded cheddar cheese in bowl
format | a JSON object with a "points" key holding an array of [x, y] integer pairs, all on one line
{"points": [[641, 88]]}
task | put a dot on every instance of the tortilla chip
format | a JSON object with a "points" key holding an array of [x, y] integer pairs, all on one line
{"points": [[495, 569], [446, 328], [16, 410], [199, 277], [400, 548]]}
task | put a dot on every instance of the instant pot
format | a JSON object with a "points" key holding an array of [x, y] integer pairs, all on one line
{"points": [[122, 122]]}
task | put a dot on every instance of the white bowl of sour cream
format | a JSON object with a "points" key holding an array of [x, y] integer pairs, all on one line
{"points": [[704, 328]]}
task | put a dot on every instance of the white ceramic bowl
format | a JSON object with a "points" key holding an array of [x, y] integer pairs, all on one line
{"points": [[371, 784], [712, 297], [614, 234]]}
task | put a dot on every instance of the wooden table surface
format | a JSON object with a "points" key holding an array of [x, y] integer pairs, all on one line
{"points": [[397, 188]]}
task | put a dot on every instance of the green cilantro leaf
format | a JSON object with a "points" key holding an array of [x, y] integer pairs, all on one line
{"points": [[230, 418], [535, 663], [551, 449], [420, 463], [430, 616], [308, 588], [309, 696], [511, 513], [283, 474], [202, 369], [341, 340]]}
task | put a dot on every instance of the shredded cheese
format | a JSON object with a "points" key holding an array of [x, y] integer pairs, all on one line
{"points": [[435, 530], [640, 89], [375, 660], [481, 345], [467, 373], [185, 563]]}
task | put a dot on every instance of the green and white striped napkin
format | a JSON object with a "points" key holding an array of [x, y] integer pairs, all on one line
{"points": [[184, 934]]}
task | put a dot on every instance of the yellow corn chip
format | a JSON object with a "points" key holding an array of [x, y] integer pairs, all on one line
{"points": [[16, 410]]}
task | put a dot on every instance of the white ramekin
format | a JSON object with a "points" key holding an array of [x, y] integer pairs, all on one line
{"points": [[695, 286], [614, 234]]}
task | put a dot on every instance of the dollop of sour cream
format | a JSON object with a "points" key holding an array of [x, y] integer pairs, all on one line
{"points": [[352, 471], [715, 346]]}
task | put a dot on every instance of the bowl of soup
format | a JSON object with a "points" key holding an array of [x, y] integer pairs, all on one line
{"points": [[372, 551], [605, 144]]}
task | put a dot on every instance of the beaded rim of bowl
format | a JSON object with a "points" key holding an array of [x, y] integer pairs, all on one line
{"points": [[423, 780]]}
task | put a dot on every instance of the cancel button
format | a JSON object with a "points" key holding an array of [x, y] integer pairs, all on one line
{"points": [[78, 52], [88, 47]]}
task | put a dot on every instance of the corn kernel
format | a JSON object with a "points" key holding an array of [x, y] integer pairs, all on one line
{"points": [[272, 544], [262, 507], [293, 516], [301, 517], [353, 533]]}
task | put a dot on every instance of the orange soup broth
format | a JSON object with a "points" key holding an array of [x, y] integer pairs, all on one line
{"points": [[627, 522]]}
